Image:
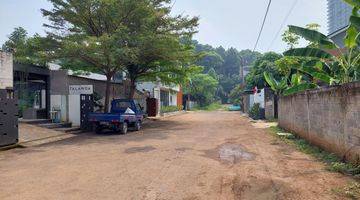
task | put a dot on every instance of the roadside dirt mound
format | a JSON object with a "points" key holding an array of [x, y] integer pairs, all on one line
{"points": [[261, 189]]}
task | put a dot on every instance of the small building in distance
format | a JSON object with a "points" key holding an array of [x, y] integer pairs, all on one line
{"points": [[167, 95], [69, 104]]}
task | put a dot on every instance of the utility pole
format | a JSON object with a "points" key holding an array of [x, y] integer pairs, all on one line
{"points": [[242, 66]]}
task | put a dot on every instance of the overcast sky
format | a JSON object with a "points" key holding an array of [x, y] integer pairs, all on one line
{"points": [[230, 23]]}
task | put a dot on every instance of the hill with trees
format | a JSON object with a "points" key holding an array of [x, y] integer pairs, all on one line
{"points": [[226, 65]]}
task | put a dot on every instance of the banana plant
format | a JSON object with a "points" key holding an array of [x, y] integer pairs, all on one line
{"points": [[297, 84], [278, 87], [324, 66], [283, 88]]}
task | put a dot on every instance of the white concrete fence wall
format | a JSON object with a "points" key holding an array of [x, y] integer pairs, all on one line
{"points": [[6, 70]]}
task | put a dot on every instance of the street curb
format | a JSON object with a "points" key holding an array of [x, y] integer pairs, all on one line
{"points": [[13, 146], [26, 144], [170, 114], [166, 115]]}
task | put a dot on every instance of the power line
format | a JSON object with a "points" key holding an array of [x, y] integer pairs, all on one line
{"points": [[173, 4], [263, 23], [283, 23]]}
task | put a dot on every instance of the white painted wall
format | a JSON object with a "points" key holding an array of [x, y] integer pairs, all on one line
{"points": [[74, 110], [148, 86], [6, 70], [59, 102], [173, 99], [260, 98], [154, 89], [251, 97]]}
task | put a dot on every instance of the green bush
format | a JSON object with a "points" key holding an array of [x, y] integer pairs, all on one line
{"points": [[210, 107], [352, 190], [254, 112], [345, 168], [167, 109]]}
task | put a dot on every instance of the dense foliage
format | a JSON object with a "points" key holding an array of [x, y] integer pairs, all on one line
{"points": [[25, 48], [140, 38], [227, 64], [168, 109], [235, 96], [265, 63], [202, 87], [255, 112]]}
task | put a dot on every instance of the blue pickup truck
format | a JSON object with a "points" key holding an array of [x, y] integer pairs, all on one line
{"points": [[124, 113]]}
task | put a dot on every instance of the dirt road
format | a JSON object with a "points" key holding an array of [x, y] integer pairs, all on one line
{"points": [[203, 155]]}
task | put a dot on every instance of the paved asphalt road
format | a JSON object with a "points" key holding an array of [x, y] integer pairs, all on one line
{"points": [[201, 155]]}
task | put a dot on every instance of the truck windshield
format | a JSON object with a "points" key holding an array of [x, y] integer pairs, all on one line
{"points": [[123, 105]]}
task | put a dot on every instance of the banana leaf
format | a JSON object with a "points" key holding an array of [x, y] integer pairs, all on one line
{"points": [[355, 21], [270, 80], [296, 79], [276, 86], [308, 52], [319, 75], [313, 36], [351, 37], [299, 88], [353, 3]]}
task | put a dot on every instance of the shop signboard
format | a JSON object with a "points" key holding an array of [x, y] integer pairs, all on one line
{"points": [[81, 89]]}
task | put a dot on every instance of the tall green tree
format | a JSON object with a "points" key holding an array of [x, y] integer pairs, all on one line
{"points": [[248, 57], [16, 40], [265, 63], [160, 53], [25, 48], [108, 36], [228, 64], [291, 39], [232, 63], [87, 35], [203, 88]]}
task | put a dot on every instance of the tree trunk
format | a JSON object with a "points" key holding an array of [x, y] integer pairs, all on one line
{"points": [[242, 105], [276, 115], [107, 93], [188, 102], [132, 88]]}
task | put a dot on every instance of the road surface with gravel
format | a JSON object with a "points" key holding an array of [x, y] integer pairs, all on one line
{"points": [[200, 155]]}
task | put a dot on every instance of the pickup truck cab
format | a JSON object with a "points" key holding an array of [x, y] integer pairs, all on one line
{"points": [[124, 113]]}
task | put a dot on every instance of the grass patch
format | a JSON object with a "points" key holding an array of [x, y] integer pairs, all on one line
{"points": [[334, 163], [168, 109], [352, 190], [271, 120], [211, 107]]}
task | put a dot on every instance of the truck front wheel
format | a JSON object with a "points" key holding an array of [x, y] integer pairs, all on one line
{"points": [[137, 126], [97, 128], [124, 128]]}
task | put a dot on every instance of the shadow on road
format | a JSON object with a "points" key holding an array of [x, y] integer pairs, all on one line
{"points": [[152, 130]]}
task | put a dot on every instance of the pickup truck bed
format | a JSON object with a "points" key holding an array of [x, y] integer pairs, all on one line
{"points": [[102, 117]]}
